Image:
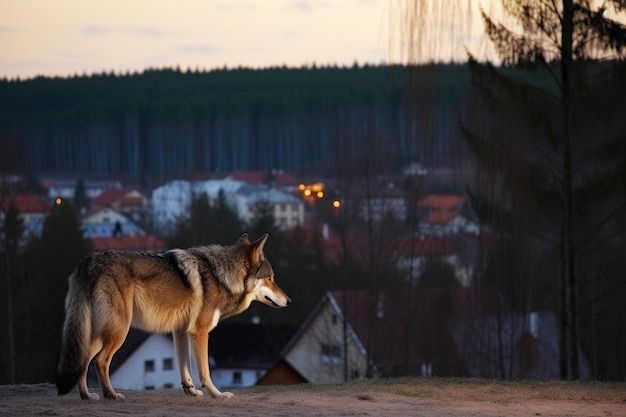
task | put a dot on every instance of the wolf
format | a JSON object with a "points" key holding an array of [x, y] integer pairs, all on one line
{"points": [[182, 291]]}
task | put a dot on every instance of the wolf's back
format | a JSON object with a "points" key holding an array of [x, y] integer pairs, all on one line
{"points": [[76, 334]]}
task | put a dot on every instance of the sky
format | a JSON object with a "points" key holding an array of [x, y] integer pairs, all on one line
{"points": [[66, 37]]}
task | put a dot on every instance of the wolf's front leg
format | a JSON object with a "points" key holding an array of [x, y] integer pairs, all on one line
{"points": [[200, 349], [181, 345]]}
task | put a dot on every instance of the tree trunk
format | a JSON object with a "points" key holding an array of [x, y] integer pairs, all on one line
{"points": [[567, 64]]}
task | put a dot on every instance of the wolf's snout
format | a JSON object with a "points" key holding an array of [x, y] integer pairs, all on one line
{"points": [[288, 300]]}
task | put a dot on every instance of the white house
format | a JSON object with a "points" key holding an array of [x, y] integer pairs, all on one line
{"points": [[171, 200], [107, 222], [287, 209], [240, 356]]}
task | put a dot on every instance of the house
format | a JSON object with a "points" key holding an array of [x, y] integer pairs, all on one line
{"points": [[374, 201], [64, 188], [282, 373], [512, 346], [170, 202], [396, 332], [240, 354], [128, 201], [32, 211], [317, 350], [445, 215], [411, 253], [288, 210], [107, 222]]}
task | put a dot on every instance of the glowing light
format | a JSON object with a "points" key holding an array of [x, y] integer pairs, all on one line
{"points": [[301, 187], [336, 204], [58, 201], [320, 194], [307, 192]]}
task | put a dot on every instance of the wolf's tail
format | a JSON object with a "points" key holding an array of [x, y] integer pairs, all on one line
{"points": [[76, 336]]}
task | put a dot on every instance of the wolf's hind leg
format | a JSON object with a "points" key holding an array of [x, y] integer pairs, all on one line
{"points": [[83, 390], [181, 345], [111, 342]]}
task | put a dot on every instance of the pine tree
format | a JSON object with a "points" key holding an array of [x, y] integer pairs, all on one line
{"points": [[538, 155]]}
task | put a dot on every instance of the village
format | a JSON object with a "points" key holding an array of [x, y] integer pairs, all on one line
{"points": [[438, 322]]}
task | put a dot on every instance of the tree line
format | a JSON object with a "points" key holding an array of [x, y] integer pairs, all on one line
{"points": [[168, 122]]}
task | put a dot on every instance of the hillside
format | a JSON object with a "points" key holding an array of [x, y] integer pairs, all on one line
{"points": [[167, 122]]}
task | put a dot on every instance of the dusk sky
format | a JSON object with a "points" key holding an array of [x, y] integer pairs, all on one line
{"points": [[66, 37], [63, 37]]}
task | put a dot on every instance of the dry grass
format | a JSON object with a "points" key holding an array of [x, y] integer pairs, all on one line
{"points": [[440, 397], [468, 388]]}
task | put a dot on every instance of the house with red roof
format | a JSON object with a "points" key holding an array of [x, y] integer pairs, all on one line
{"points": [[444, 215], [128, 201], [411, 252]]}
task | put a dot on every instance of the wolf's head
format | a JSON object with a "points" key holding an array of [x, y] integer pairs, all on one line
{"points": [[259, 282]]}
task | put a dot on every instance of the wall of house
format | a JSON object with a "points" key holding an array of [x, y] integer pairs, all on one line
{"points": [[134, 374], [318, 353], [163, 372]]}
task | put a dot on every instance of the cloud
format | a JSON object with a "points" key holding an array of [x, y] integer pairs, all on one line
{"points": [[198, 49], [140, 31], [308, 6]]}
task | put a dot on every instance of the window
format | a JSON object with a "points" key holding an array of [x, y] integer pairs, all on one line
{"points": [[237, 378], [331, 354], [168, 364], [168, 385], [148, 365]]}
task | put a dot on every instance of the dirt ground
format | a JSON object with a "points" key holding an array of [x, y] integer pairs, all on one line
{"points": [[383, 397]]}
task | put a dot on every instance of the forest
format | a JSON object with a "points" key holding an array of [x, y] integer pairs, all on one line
{"points": [[168, 122]]}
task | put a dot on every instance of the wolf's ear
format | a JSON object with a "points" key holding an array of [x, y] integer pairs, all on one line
{"points": [[243, 239], [256, 249]]}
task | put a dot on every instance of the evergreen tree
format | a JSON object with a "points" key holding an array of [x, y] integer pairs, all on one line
{"points": [[81, 201], [11, 234], [49, 259], [538, 156]]}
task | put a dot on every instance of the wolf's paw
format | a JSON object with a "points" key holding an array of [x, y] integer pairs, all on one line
{"points": [[192, 391], [224, 395], [90, 396], [114, 396]]}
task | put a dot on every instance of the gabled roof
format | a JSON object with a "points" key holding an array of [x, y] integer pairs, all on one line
{"points": [[441, 202], [25, 203], [112, 195], [137, 243]]}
